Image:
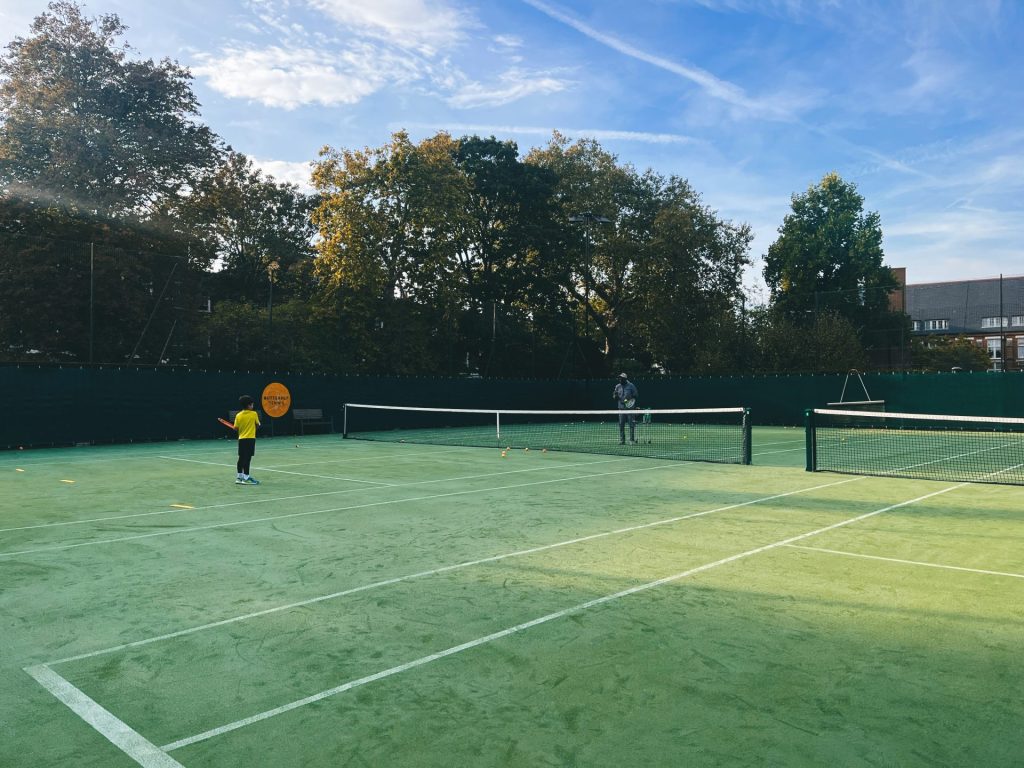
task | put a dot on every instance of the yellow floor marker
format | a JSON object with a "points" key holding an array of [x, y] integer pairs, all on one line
{"points": [[68, 481], [17, 469], [182, 506]]}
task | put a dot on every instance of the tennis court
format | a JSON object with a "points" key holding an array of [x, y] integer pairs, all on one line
{"points": [[396, 604]]}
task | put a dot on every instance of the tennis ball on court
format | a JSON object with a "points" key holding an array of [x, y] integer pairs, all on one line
{"points": [[526, 449], [296, 445], [543, 450], [504, 455]]}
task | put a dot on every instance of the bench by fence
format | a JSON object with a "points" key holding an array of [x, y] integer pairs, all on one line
{"points": [[312, 417]]}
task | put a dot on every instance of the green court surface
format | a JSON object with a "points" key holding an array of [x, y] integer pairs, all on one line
{"points": [[380, 604]]}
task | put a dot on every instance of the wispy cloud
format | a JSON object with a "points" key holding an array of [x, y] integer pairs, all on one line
{"points": [[511, 86], [713, 86], [425, 25], [290, 78], [533, 130]]}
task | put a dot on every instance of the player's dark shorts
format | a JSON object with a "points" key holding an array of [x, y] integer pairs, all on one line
{"points": [[246, 447]]}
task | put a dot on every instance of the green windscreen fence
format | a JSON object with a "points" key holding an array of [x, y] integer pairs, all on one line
{"points": [[65, 405]]}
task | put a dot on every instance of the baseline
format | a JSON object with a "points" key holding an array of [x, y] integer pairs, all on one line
{"points": [[312, 495], [114, 730], [269, 518]]}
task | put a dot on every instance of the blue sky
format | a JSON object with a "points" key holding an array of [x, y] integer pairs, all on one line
{"points": [[918, 102]]}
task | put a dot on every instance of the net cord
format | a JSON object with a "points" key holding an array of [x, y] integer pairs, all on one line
{"points": [[540, 413], [882, 417]]}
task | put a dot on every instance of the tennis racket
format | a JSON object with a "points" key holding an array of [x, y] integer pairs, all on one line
{"points": [[629, 402], [226, 423]]}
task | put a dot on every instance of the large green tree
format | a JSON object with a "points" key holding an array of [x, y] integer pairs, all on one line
{"points": [[93, 142], [657, 280], [87, 128], [386, 220], [829, 250], [503, 254]]}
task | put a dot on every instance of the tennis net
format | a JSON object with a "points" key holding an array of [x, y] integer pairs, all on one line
{"points": [[715, 434], [980, 449]]}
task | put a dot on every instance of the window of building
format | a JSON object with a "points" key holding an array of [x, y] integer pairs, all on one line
{"points": [[995, 348], [917, 325], [1017, 320], [993, 322], [932, 325]]}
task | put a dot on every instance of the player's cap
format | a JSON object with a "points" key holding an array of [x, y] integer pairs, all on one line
{"points": [[623, 376]]}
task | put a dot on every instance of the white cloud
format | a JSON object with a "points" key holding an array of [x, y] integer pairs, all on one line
{"points": [[289, 78], [513, 85], [424, 25], [508, 41], [296, 173]]}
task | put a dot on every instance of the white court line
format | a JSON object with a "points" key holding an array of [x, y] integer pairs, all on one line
{"points": [[910, 562], [802, 441], [116, 731], [530, 624], [281, 471], [442, 569], [347, 491], [387, 502], [768, 453]]}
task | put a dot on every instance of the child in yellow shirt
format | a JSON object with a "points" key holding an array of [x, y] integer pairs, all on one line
{"points": [[246, 421]]}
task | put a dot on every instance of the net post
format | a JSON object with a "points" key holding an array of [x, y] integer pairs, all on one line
{"points": [[811, 440], [344, 421], [747, 430]]}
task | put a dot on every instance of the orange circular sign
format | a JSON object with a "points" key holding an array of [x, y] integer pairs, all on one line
{"points": [[276, 400]]}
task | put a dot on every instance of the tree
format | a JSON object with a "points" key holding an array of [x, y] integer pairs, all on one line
{"points": [[92, 144], [689, 281], [503, 251], [944, 353], [87, 129], [830, 250], [387, 228], [257, 230], [657, 280], [784, 345]]}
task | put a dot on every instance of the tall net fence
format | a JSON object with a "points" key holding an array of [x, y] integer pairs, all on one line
{"points": [[65, 301]]}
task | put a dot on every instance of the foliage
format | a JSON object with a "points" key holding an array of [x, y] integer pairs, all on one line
{"points": [[828, 256], [129, 233], [88, 130], [257, 231], [662, 276], [782, 345], [944, 353]]}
